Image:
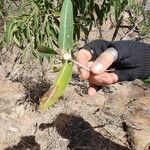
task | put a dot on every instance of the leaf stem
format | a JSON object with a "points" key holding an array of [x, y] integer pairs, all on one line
{"points": [[88, 69]]}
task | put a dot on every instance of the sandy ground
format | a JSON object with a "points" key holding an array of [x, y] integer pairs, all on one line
{"points": [[117, 118]]}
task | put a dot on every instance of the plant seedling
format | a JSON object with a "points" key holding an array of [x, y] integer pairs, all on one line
{"points": [[65, 42]]}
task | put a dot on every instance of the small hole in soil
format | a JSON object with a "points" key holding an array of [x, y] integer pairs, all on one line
{"points": [[97, 110], [125, 127], [34, 90]]}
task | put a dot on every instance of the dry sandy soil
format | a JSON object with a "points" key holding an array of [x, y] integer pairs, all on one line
{"points": [[117, 118]]}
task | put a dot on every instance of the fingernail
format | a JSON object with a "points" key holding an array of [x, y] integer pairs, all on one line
{"points": [[98, 68]]}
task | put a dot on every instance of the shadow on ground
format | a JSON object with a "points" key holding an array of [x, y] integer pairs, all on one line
{"points": [[81, 134], [26, 143]]}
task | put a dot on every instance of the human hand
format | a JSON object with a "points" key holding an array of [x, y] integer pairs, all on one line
{"points": [[98, 76], [128, 66]]}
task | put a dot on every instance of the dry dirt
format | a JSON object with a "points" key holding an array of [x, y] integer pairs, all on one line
{"points": [[117, 118]]}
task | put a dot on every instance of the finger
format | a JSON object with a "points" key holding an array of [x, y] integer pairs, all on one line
{"points": [[90, 63], [92, 89], [104, 61], [103, 79], [83, 56], [87, 73]]}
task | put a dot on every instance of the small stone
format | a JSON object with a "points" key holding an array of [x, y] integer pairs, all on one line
{"points": [[3, 115], [13, 129], [20, 110]]}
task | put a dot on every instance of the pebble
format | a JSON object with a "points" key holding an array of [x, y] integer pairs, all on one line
{"points": [[3, 116], [20, 110], [13, 129]]}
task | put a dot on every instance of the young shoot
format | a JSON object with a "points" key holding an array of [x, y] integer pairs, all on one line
{"points": [[67, 56]]}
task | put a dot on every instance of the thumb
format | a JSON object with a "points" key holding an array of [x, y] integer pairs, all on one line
{"points": [[104, 61]]}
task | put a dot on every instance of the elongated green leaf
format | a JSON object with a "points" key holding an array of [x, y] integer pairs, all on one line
{"points": [[36, 22], [28, 33], [44, 23], [10, 28], [44, 51], [1, 14], [65, 40], [56, 91], [16, 40], [21, 6]]}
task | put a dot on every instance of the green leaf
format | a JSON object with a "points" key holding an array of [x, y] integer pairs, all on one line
{"points": [[21, 6], [147, 80], [56, 91], [44, 23], [44, 51], [1, 14], [10, 29], [65, 39], [36, 22], [16, 40], [50, 31], [28, 33], [56, 13]]}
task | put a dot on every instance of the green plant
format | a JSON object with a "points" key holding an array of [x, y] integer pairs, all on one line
{"points": [[147, 81], [89, 13], [116, 7], [140, 16], [83, 17], [145, 25], [65, 42], [32, 24]]}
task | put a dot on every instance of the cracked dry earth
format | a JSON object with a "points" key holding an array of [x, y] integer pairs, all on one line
{"points": [[117, 118]]}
